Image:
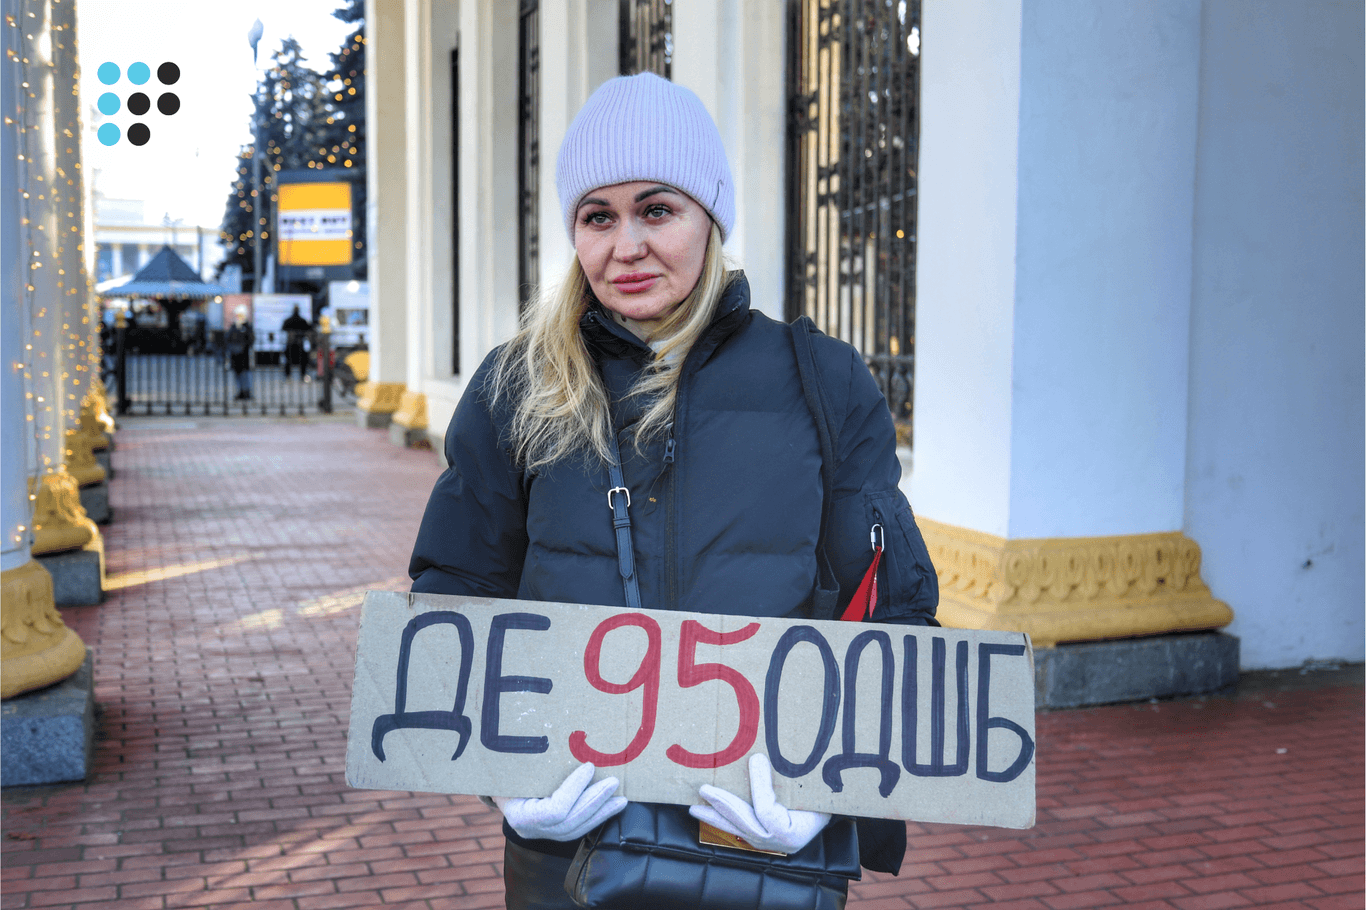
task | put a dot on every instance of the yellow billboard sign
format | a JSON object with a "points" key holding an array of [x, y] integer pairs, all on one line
{"points": [[314, 224]]}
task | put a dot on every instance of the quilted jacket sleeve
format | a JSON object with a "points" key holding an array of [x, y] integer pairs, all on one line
{"points": [[472, 540], [866, 494]]}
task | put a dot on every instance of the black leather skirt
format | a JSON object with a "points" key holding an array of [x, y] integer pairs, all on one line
{"points": [[534, 880]]}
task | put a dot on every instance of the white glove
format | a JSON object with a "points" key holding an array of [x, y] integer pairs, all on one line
{"points": [[767, 825], [567, 814]]}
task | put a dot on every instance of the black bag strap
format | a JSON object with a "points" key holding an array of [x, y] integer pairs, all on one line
{"points": [[882, 841], [801, 329], [826, 595], [619, 502]]}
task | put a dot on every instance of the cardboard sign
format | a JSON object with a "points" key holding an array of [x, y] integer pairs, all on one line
{"points": [[505, 698]]}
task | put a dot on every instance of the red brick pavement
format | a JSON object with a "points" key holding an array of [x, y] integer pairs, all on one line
{"points": [[223, 658]]}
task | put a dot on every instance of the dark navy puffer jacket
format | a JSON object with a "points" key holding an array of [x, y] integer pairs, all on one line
{"points": [[725, 510]]}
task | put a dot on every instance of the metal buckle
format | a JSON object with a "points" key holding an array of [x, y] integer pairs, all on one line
{"points": [[875, 537], [618, 490]]}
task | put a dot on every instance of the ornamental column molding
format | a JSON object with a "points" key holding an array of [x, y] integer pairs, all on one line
{"points": [[1056, 218], [36, 648]]}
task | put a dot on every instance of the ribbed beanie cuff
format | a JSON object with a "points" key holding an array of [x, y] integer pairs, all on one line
{"points": [[644, 127]]}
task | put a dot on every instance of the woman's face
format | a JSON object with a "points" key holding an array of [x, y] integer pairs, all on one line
{"points": [[641, 246]]}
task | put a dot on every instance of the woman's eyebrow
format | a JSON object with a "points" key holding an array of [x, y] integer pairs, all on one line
{"points": [[650, 192], [592, 202]]}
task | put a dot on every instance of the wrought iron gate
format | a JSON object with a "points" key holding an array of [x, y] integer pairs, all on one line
{"points": [[528, 149], [201, 382], [853, 138], [646, 39]]}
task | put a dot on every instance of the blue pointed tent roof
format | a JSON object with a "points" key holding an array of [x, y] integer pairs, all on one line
{"points": [[165, 276]]}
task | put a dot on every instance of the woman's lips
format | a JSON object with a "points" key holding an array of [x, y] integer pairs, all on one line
{"points": [[634, 283]]}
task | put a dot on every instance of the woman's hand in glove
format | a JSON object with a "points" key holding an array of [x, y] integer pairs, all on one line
{"points": [[767, 824], [567, 814]]}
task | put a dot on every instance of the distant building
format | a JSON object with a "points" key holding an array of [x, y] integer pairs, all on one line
{"points": [[126, 240], [1121, 241]]}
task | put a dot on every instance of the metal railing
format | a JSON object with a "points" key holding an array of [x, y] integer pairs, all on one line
{"points": [[203, 383]]}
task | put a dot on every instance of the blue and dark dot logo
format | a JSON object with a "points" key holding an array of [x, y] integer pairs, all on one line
{"points": [[138, 103]]}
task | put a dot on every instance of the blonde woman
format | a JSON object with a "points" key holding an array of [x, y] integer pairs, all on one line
{"points": [[649, 352]]}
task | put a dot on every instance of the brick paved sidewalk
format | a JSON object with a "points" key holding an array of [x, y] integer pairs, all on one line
{"points": [[223, 660]]}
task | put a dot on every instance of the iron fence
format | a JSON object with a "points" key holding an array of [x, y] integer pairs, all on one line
{"points": [[203, 382]]}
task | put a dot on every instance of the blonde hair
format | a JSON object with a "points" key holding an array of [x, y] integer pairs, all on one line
{"points": [[559, 405]]}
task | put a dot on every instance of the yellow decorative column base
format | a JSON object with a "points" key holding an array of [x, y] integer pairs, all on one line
{"points": [[409, 426], [80, 459], [412, 411], [99, 409], [92, 426], [59, 521], [1071, 589], [377, 405], [36, 647]]}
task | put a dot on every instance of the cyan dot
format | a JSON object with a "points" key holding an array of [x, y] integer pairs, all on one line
{"points": [[108, 133], [108, 104], [139, 73], [108, 73]]}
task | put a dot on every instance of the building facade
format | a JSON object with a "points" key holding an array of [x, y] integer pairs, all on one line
{"points": [[1105, 259]]}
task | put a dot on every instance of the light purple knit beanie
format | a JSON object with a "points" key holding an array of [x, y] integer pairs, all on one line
{"points": [[644, 127]]}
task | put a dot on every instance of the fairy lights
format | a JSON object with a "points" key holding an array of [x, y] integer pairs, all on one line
{"points": [[54, 312]]}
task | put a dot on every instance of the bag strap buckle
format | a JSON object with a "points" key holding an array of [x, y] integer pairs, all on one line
{"points": [[610, 504]]}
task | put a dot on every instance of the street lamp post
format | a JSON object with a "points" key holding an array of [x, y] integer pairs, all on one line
{"points": [[256, 208], [254, 38]]}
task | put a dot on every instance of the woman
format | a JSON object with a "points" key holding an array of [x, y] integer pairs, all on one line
{"points": [[652, 343]]}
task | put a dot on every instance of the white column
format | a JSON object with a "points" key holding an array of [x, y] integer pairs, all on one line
{"points": [[18, 452], [79, 328], [578, 53], [1057, 181], [38, 185], [431, 28], [488, 177], [37, 648], [1053, 303], [386, 190], [732, 54]]}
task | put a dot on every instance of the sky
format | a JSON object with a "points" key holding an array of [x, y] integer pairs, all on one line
{"points": [[188, 163]]}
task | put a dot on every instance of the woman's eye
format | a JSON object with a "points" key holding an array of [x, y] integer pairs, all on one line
{"points": [[596, 218], [657, 211]]}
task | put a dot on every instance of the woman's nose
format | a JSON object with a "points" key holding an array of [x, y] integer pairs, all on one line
{"points": [[630, 244]]}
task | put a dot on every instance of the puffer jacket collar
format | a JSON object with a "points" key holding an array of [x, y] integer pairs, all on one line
{"points": [[604, 336]]}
